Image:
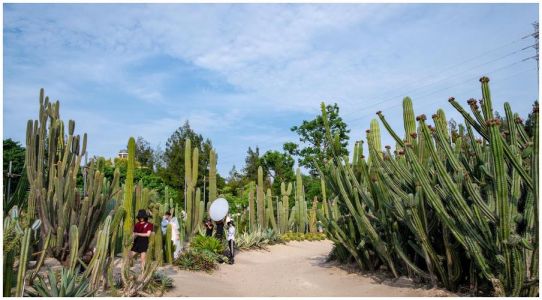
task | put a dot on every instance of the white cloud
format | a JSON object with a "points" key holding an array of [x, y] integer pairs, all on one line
{"points": [[279, 59]]}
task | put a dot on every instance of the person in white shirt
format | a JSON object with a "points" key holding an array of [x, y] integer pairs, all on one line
{"points": [[231, 240], [167, 220]]}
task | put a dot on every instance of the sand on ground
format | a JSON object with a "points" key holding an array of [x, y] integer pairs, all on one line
{"points": [[292, 269]]}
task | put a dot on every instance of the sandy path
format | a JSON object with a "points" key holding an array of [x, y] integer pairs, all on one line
{"points": [[294, 269]]}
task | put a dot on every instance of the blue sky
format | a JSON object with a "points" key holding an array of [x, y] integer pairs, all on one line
{"points": [[243, 74]]}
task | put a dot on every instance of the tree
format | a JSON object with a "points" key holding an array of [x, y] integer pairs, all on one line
{"points": [[252, 162], [18, 187], [312, 134], [144, 154], [279, 166], [14, 152], [158, 158], [173, 171]]}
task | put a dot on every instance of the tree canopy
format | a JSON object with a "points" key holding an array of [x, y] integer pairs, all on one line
{"points": [[173, 171], [315, 150]]}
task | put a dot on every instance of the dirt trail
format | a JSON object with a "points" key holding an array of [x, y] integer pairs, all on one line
{"points": [[294, 269]]}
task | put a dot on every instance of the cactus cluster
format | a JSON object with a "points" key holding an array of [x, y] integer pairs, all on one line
{"points": [[449, 207], [72, 220], [53, 158], [268, 211]]}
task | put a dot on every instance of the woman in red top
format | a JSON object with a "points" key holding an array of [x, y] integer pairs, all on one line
{"points": [[142, 231]]}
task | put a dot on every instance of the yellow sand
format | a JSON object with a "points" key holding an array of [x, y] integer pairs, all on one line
{"points": [[294, 269]]}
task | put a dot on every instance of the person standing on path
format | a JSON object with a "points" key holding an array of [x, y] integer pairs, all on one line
{"points": [[142, 231], [231, 241], [168, 219]]}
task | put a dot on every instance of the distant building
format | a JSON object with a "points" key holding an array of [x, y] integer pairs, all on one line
{"points": [[123, 154]]}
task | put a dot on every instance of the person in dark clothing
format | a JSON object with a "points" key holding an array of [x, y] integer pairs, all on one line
{"points": [[142, 231], [209, 227], [219, 230]]}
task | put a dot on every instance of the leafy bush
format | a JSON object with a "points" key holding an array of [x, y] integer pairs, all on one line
{"points": [[201, 242], [70, 285]]}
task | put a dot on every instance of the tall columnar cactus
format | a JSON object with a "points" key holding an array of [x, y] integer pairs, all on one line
{"points": [[212, 176], [53, 158], [375, 133], [324, 196], [169, 244], [158, 247], [74, 246], [449, 207], [194, 209], [188, 187], [100, 263], [285, 194], [138, 196], [23, 262], [128, 193], [260, 199], [312, 215], [270, 211], [201, 213], [251, 208], [409, 120], [150, 250], [301, 205], [157, 252]]}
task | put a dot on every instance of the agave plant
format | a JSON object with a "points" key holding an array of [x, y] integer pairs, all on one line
{"points": [[199, 260], [201, 242], [257, 239], [70, 285], [159, 283]]}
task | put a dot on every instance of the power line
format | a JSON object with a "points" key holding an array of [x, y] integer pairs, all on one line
{"points": [[455, 65], [448, 87], [445, 78]]}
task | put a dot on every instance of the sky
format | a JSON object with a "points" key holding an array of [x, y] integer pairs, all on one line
{"points": [[244, 74]]}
